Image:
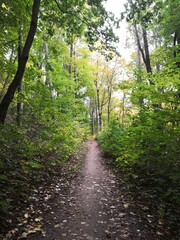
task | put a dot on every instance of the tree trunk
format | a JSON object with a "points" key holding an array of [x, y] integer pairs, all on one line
{"points": [[8, 97], [99, 110], [139, 44], [71, 56], [139, 78], [20, 87], [109, 97], [109, 110], [96, 117], [146, 50], [91, 114]]}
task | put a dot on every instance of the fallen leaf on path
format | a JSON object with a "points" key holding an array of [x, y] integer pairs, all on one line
{"points": [[112, 207], [26, 215], [126, 205], [38, 219], [57, 225], [24, 235]]}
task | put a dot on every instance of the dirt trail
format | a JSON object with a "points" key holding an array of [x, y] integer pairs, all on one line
{"points": [[91, 207]]}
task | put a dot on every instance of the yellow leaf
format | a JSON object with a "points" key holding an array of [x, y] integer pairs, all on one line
{"points": [[39, 219]]}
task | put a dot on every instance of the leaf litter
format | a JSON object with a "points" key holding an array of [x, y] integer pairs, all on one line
{"points": [[93, 205]]}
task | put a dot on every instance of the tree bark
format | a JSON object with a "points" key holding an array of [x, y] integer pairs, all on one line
{"points": [[20, 87], [146, 50], [99, 109], [71, 56], [139, 44], [109, 97], [8, 97]]}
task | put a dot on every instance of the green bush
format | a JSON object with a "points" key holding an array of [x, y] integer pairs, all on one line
{"points": [[111, 138], [147, 152], [29, 155]]}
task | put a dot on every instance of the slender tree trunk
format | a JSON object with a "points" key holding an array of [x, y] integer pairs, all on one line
{"points": [[146, 50], [139, 78], [139, 58], [109, 98], [139, 44], [20, 87], [71, 56], [91, 113], [109, 111], [92, 122], [96, 121], [8, 97], [99, 110], [145, 56]]}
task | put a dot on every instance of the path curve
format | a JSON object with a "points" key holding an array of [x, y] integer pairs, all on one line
{"points": [[93, 207]]}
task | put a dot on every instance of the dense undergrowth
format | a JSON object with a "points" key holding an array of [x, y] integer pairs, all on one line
{"points": [[147, 154], [31, 157]]}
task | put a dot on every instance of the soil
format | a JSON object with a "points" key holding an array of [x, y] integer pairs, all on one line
{"points": [[94, 205]]}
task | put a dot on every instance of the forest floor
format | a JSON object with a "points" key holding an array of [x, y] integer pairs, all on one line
{"points": [[95, 204]]}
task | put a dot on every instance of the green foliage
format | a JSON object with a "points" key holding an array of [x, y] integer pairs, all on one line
{"points": [[169, 21], [142, 12], [111, 138], [29, 155], [54, 122], [55, 115], [147, 150], [150, 143]]}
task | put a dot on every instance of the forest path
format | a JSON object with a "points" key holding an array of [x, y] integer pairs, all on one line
{"points": [[92, 206]]}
